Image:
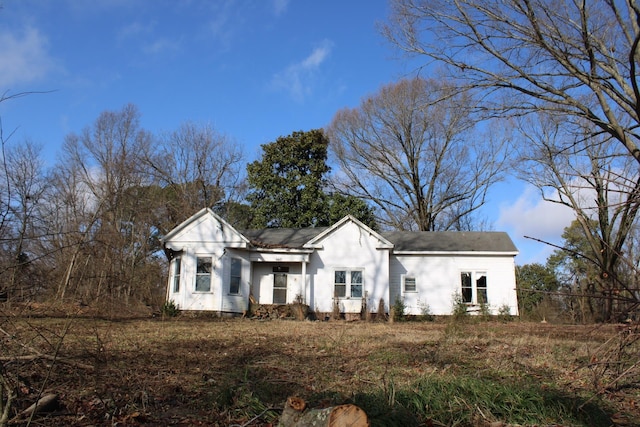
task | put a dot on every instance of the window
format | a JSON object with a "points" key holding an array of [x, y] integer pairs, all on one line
{"points": [[176, 274], [347, 283], [356, 284], [409, 284], [340, 283], [481, 288], [474, 287], [467, 291], [236, 276], [204, 267]]}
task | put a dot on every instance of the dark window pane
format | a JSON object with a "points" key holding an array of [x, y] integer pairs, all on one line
{"points": [[279, 296], [203, 283], [280, 280], [466, 295], [356, 277], [356, 291], [204, 265], [236, 275], [176, 275], [482, 295]]}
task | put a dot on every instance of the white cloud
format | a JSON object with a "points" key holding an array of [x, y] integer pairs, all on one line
{"points": [[25, 58], [280, 6], [161, 46], [297, 79], [135, 29], [531, 216]]}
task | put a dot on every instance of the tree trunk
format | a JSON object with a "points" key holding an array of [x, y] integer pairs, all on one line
{"points": [[296, 414]]}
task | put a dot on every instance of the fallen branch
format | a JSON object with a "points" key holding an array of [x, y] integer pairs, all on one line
{"points": [[48, 357]]}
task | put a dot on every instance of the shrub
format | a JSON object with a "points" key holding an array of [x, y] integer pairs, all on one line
{"points": [[398, 309], [170, 309]]}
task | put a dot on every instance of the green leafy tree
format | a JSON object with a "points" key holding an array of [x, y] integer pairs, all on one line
{"points": [[534, 282], [579, 273], [340, 205], [287, 185]]}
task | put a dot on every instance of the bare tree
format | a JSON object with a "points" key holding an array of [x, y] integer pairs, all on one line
{"points": [[109, 243], [26, 176], [598, 180], [577, 59], [410, 150], [195, 167]]}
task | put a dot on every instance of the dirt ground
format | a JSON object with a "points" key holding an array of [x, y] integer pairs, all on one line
{"points": [[215, 372]]}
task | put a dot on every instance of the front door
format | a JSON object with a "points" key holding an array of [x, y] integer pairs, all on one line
{"points": [[279, 288]]}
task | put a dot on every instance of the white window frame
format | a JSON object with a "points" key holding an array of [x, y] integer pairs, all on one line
{"points": [[348, 284], [176, 268], [204, 274], [404, 284], [475, 276]]}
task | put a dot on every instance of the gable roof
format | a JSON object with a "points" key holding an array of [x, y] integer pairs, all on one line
{"points": [[451, 241], [474, 242], [315, 242], [202, 215]]}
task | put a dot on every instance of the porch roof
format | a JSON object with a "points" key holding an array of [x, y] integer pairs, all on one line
{"points": [[293, 238]]}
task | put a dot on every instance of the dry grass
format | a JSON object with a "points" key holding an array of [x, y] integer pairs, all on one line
{"points": [[239, 372]]}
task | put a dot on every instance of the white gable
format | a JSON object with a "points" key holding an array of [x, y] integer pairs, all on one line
{"points": [[350, 246], [204, 229], [351, 225]]}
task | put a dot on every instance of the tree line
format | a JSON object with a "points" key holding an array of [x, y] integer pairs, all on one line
{"points": [[546, 91]]}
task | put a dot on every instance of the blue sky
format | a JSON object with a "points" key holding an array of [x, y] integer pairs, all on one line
{"points": [[253, 69]]}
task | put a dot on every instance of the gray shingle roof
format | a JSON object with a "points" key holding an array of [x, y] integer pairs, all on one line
{"points": [[411, 241], [450, 241], [293, 238]]}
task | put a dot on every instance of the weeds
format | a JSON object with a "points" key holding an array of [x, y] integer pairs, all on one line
{"points": [[615, 363], [240, 371], [459, 309], [504, 313]]}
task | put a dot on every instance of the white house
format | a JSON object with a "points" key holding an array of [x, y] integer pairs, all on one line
{"points": [[215, 267]]}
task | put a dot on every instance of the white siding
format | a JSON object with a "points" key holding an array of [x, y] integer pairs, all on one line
{"points": [[438, 279], [204, 237], [349, 247], [345, 247]]}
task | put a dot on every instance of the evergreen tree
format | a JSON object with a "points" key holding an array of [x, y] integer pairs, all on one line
{"points": [[287, 185]]}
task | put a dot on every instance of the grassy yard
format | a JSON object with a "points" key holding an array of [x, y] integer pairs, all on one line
{"points": [[209, 372]]}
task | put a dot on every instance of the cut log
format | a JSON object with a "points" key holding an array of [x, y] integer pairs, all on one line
{"points": [[296, 414]]}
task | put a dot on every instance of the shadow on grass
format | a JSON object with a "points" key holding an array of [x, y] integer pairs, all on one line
{"points": [[472, 402]]}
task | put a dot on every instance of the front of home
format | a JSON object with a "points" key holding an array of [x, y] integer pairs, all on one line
{"points": [[348, 266]]}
